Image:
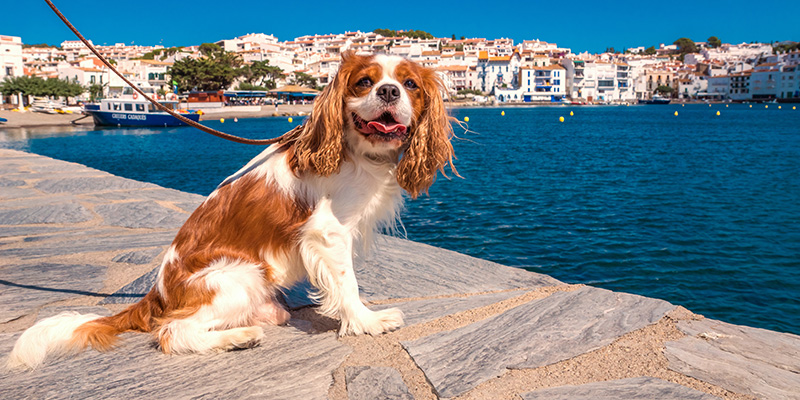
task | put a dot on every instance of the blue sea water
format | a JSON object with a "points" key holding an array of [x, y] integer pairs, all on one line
{"points": [[700, 210]]}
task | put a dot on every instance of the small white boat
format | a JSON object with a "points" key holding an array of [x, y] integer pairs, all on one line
{"points": [[46, 106]]}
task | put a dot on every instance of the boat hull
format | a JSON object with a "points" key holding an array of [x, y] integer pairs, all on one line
{"points": [[111, 118], [655, 101]]}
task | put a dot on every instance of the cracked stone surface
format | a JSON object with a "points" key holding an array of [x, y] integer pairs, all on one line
{"points": [[290, 365], [141, 214], [23, 289], [644, 388], [538, 333], [756, 361], [370, 383]]}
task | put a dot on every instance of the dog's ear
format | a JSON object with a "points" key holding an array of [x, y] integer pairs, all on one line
{"points": [[319, 148], [429, 149]]}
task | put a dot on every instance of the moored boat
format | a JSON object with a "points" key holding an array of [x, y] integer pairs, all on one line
{"points": [[655, 100], [132, 110]]}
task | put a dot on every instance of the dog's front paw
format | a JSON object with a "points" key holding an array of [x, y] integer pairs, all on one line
{"points": [[373, 322]]}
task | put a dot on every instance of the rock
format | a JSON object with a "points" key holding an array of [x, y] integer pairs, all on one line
{"points": [[92, 244], [140, 257], [141, 214], [758, 362], [541, 332], [371, 383], [393, 270], [288, 365], [644, 388], [63, 213], [428, 310], [24, 288], [82, 185]]}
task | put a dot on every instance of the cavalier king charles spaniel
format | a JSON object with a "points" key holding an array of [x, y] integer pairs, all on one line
{"points": [[299, 209]]}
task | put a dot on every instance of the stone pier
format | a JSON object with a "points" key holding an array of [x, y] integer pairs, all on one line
{"points": [[75, 238]]}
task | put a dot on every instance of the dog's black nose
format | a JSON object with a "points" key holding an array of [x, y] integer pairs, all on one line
{"points": [[389, 93]]}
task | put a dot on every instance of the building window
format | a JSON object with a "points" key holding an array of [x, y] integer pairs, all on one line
{"points": [[140, 107], [128, 107]]}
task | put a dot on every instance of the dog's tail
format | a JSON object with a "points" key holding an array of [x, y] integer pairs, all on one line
{"points": [[70, 332]]}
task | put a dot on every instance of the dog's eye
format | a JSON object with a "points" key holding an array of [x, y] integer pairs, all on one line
{"points": [[364, 82], [409, 84]]}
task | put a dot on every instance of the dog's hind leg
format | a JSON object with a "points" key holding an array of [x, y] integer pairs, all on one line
{"points": [[229, 320]]}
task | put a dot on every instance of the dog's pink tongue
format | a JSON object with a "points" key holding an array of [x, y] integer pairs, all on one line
{"points": [[387, 128]]}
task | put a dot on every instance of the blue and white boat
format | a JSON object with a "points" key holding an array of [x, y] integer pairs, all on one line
{"points": [[133, 110]]}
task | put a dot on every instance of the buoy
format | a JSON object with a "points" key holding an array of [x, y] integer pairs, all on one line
{"points": [[571, 113], [726, 106], [676, 113], [717, 112], [683, 105], [709, 104], [290, 120], [766, 106], [466, 119], [779, 107], [560, 119], [235, 119], [751, 106], [503, 113], [222, 120]]}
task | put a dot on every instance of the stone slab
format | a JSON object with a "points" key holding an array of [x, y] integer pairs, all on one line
{"points": [[93, 244], [643, 388], [141, 214], [89, 184], [762, 363], [27, 231], [25, 288], [541, 332], [400, 268], [372, 383], [134, 291], [138, 257], [64, 213], [17, 193], [289, 365], [418, 311], [159, 193]]}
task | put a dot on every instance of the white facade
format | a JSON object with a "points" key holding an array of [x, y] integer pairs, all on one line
{"points": [[10, 57]]}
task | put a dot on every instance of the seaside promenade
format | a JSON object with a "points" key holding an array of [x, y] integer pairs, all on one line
{"points": [[76, 238]]}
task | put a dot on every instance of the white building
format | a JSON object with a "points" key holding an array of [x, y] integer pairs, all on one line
{"points": [[10, 56], [500, 71], [10, 63]]}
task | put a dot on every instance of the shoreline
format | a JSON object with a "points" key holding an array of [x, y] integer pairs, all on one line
{"points": [[30, 119]]}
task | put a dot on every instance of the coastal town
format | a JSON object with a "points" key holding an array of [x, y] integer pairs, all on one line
{"points": [[480, 70]]}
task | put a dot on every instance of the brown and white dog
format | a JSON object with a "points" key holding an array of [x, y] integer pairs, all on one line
{"points": [[299, 209]]}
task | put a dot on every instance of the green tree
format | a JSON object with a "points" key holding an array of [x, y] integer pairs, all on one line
{"points": [[664, 90], [261, 74], [650, 50], [304, 79], [216, 70], [714, 42], [685, 45], [35, 86], [95, 92]]}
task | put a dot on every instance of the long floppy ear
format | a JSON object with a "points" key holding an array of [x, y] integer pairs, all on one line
{"points": [[429, 149], [319, 147]]}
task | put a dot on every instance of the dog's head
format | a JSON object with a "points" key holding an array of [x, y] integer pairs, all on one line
{"points": [[384, 108]]}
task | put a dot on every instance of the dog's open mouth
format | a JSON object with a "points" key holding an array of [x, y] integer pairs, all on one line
{"points": [[384, 127]]}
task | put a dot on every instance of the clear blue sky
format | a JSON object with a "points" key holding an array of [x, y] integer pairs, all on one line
{"points": [[579, 24]]}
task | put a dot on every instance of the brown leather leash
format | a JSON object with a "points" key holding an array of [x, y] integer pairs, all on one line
{"points": [[161, 107]]}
